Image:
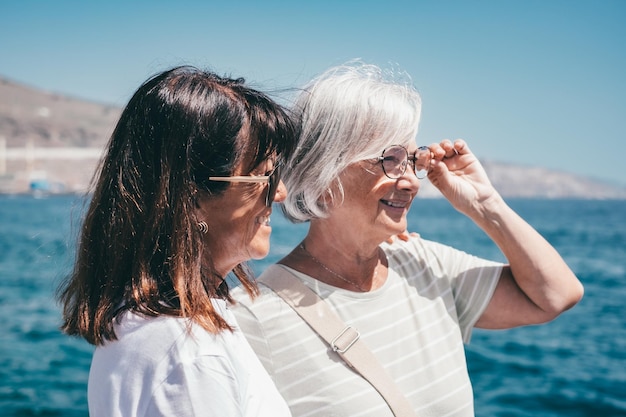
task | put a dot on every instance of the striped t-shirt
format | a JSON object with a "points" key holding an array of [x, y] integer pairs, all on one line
{"points": [[415, 324]]}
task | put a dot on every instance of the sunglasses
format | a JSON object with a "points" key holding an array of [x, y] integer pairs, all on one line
{"points": [[396, 158], [272, 180]]}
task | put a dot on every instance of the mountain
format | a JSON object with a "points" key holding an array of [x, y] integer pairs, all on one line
{"points": [[52, 120], [55, 141], [521, 181]]}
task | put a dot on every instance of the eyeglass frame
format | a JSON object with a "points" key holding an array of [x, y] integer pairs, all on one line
{"points": [[272, 180], [408, 159]]}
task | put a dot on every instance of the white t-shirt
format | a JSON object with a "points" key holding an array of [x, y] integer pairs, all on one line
{"points": [[415, 324], [164, 366]]}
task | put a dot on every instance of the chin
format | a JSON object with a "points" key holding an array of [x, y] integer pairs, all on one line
{"points": [[259, 252], [398, 227]]}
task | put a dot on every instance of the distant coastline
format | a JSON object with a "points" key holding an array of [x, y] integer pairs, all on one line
{"points": [[52, 144], [69, 170]]}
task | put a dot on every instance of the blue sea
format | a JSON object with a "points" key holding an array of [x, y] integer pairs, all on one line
{"points": [[573, 366]]}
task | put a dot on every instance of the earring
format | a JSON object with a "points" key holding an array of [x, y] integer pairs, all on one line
{"points": [[204, 228]]}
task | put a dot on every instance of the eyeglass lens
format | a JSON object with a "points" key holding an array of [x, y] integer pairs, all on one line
{"points": [[272, 186], [396, 158], [421, 163]]}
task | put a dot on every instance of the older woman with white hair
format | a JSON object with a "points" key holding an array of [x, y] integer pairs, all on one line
{"points": [[409, 304]]}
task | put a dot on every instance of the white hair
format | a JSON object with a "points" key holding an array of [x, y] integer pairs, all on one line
{"points": [[347, 114]]}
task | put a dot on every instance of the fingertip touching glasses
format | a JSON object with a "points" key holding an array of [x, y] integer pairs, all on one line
{"points": [[272, 179], [396, 158]]}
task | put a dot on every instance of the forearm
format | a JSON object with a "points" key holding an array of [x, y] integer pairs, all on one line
{"points": [[537, 268]]}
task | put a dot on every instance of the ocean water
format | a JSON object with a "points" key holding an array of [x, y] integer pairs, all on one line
{"points": [[573, 366]]}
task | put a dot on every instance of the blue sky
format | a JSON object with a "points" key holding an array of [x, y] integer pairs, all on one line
{"points": [[528, 81]]}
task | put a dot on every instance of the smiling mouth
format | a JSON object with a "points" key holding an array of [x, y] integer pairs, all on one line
{"points": [[264, 220], [395, 204]]}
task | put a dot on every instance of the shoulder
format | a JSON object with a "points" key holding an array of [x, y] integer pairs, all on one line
{"points": [[266, 304], [177, 339], [267, 314], [428, 251], [416, 248], [153, 333], [424, 261]]}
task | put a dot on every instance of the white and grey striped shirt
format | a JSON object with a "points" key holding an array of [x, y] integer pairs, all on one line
{"points": [[415, 324]]}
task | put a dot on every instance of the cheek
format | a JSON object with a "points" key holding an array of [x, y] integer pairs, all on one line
{"points": [[234, 235], [245, 230], [368, 192], [253, 230], [360, 184], [235, 240]]}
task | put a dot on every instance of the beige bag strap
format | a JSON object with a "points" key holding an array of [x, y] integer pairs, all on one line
{"points": [[345, 340]]}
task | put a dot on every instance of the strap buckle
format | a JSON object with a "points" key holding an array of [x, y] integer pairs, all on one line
{"points": [[345, 339]]}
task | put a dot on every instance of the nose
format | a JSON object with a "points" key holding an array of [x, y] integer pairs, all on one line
{"points": [[408, 181], [281, 192]]}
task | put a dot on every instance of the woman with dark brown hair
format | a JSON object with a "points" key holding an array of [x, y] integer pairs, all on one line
{"points": [[183, 197]]}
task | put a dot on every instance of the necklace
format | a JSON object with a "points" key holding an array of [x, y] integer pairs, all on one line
{"points": [[317, 261]]}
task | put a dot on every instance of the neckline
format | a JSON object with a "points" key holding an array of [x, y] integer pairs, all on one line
{"points": [[314, 283], [337, 275]]}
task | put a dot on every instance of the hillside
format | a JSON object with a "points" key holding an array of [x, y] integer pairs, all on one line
{"points": [[521, 181], [43, 133], [52, 120]]}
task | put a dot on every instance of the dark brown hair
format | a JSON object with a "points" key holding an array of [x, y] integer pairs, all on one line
{"points": [[140, 248]]}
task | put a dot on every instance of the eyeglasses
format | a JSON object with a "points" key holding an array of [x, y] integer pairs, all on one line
{"points": [[272, 179], [396, 158]]}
